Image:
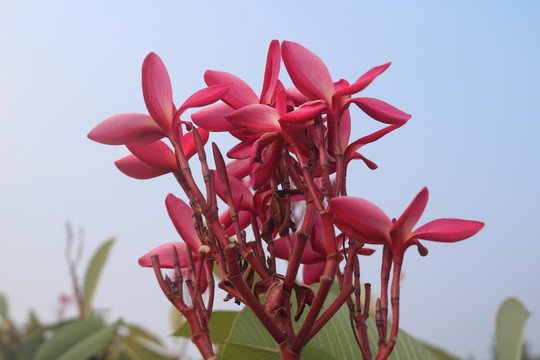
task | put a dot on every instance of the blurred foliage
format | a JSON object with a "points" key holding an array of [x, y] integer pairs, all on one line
{"points": [[88, 336]]}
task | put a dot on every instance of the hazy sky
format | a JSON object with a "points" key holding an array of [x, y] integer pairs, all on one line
{"points": [[467, 71]]}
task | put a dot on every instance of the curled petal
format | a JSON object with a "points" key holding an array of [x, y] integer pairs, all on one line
{"points": [[404, 225], [241, 150], [157, 91], [244, 219], [266, 164], [157, 154], [296, 96], [307, 72], [126, 129], [363, 80], [165, 255], [370, 164], [135, 168], [205, 96], [447, 230], [305, 112], [212, 118], [381, 111], [238, 168], [422, 250], [182, 218], [239, 94], [256, 118], [242, 197], [361, 219], [188, 143], [273, 61], [370, 138]]}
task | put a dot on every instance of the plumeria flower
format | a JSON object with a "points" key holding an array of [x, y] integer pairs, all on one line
{"points": [[311, 77], [313, 81], [239, 95], [364, 221], [141, 133], [181, 216]]}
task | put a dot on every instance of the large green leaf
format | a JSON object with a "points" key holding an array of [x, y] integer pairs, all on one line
{"points": [[137, 333], [91, 344], [439, 353], [65, 338], [92, 275], [220, 326], [510, 324], [249, 340], [136, 351]]}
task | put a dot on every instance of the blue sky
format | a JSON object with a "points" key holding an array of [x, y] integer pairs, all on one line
{"points": [[468, 72]]}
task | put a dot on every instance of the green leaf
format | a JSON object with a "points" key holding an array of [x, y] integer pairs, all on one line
{"points": [[92, 275], [220, 326], [91, 344], [138, 333], [65, 337], [136, 351], [249, 340], [176, 318], [3, 306], [510, 325], [439, 353]]}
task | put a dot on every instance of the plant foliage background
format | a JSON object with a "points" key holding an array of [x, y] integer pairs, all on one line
{"points": [[467, 71]]}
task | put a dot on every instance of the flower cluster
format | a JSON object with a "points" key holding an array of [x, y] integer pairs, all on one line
{"points": [[286, 182]]}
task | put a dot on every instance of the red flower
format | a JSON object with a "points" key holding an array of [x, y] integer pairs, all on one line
{"points": [[142, 133], [181, 216], [311, 77], [364, 221]]}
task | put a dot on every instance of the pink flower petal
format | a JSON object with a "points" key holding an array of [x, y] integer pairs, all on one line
{"points": [[241, 150], [311, 273], [364, 80], [256, 118], [344, 130], [381, 111], [182, 218], [305, 112], [135, 168], [126, 129], [239, 94], [188, 143], [239, 191], [212, 118], [296, 96], [265, 167], [370, 164], [369, 139], [238, 168], [244, 219], [165, 255], [157, 91], [307, 72], [157, 154], [404, 225], [273, 61], [361, 219], [205, 96], [447, 230]]}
